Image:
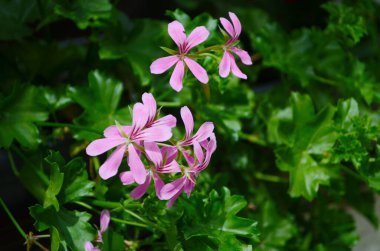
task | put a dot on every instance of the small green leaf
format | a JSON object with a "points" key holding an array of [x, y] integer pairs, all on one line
{"points": [[18, 112], [216, 218], [72, 226]]}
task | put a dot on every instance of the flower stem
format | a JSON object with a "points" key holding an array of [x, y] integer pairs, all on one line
{"points": [[211, 48], [12, 163], [72, 126], [18, 227], [270, 178], [132, 223], [169, 104]]}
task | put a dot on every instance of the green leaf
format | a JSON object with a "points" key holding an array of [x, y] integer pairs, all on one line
{"points": [[277, 229], [15, 17], [99, 101], [75, 183], [72, 226], [308, 135], [215, 218], [85, 13], [346, 21], [18, 112], [140, 45], [55, 184]]}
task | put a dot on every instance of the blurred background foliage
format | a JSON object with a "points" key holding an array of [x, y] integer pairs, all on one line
{"points": [[298, 140]]}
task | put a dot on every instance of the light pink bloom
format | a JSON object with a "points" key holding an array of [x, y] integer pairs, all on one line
{"points": [[104, 222], [204, 132], [228, 63], [145, 127], [177, 33], [186, 183], [89, 247], [163, 162]]}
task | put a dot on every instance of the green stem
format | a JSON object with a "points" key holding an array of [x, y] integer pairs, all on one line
{"points": [[132, 223], [214, 47], [54, 124], [270, 178], [39, 173], [20, 230], [352, 173], [169, 104], [12, 163]]}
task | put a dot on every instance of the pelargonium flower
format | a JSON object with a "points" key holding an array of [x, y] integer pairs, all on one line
{"points": [[186, 183], [163, 162], [104, 222], [145, 127], [89, 247], [177, 33], [228, 63], [204, 132]]}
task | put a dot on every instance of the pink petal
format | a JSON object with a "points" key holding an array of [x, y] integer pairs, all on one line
{"points": [[170, 153], [111, 165], [100, 146], [153, 152], [204, 131], [136, 165], [173, 199], [228, 26], [126, 178], [177, 32], [187, 155], [158, 184], [140, 117], [177, 76], [104, 220], [236, 23], [163, 64], [189, 186], [139, 191], [235, 69], [156, 133], [198, 71], [243, 55], [188, 120], [168, 120], [197, 36], [225, 65], [198, 151], [171, 189], [151, 105], [113, 132], [88, 246], [171, 167]]}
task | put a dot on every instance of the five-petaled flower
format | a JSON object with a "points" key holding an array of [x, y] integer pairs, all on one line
{"points": [[177, 33], [228, 63], [163, 162], [186, 183], [145, 127]]}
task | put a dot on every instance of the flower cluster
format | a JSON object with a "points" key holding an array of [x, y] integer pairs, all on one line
{"points": [[149, 158], [182, 58], [104, 222]]}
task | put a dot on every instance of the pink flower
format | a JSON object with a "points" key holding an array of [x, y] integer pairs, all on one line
{"points": [[89, 247], [204, 132], [177, 33], [186, 183], [145, 127], [228, 63], [163, 162], [104, 222]]}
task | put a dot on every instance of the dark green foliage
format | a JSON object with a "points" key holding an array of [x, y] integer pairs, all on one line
{"points": [[298, 141]]}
